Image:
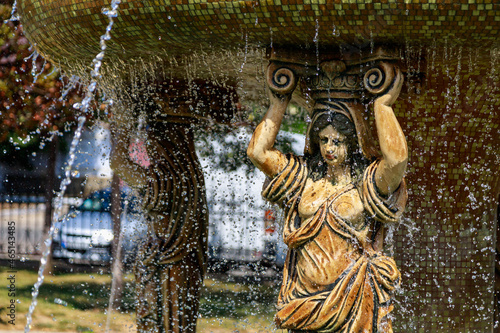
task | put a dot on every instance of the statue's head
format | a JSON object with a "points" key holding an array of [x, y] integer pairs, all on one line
{"points": [[332, 140]]}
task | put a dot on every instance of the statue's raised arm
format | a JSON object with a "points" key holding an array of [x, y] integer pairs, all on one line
{"points": [[393, 145], [132, 173], [261, 149]]}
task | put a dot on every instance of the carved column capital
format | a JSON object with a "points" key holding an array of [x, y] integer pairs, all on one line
{"points": [[338, 83], [281, 78], [329, 76]]}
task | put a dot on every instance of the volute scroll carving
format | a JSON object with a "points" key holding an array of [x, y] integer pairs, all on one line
{"points": [[379, 78], [281, 79]]}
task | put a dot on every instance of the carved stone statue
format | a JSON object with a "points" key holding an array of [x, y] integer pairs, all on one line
{"points": [[171, 264], [338, 197]]}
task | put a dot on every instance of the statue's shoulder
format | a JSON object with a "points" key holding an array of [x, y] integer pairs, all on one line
{"points": [[296, 162]]}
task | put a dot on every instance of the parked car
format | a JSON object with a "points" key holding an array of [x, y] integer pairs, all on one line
{"points": [[239, 228], [85, 234]]}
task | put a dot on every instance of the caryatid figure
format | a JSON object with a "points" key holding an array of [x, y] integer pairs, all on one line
{"points": [[337, 198]]}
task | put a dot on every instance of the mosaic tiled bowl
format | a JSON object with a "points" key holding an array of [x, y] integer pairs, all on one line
{"points": [[68, 30]]}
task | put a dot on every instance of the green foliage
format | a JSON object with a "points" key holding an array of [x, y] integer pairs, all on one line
{"points": [[29, 111], [294, 120]]}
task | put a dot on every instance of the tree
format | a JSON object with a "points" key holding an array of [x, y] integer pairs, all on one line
{"points": [[31, 107]]}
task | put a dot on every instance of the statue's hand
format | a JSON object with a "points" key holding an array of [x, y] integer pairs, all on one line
{"points": [[277, 99], [393, 92]]}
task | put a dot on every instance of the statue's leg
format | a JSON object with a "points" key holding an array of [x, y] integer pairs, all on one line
{"points": [[180, 287], [147, 297], [167, 294]]}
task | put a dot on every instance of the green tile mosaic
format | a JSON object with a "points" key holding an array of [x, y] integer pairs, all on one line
{"points": [[453, 194], [207, 23]]}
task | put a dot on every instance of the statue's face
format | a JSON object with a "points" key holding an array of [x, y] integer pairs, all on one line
{"points": [[333, 146]]}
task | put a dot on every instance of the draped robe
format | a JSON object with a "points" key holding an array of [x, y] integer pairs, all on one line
{"points": [[334, 280]]}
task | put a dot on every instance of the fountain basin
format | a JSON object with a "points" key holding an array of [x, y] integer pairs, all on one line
{"points": [[65, 31]]}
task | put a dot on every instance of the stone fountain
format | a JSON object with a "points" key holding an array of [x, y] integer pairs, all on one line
{"points": [[180, 62]]}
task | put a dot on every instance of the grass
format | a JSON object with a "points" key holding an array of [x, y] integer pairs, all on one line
{"points": [[225, 306]]}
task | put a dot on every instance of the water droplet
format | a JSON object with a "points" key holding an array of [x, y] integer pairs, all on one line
{"points": [[60, 302], [92, 86]]}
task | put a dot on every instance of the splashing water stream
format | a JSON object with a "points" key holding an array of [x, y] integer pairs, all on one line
{"points": [[58, 205], [13, 15], [58, 202]]}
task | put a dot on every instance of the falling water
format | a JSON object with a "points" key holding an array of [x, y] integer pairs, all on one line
{"points": [[409, 65], [316, 43], [335, 32], [419, 58], [372, 41], [114, 285], [13, 15], [34, 56], [72, 83], [246, 53], [58, 205], [35, 78], [58, 202], [434, 47], [271, 36], [448, 56], [457, 77]]}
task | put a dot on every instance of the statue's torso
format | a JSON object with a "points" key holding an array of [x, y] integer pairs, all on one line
{"points": [[325, 257], [348, 206]]}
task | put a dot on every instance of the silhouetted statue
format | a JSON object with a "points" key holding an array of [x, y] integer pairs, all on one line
{"points": [[172, 262]]}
